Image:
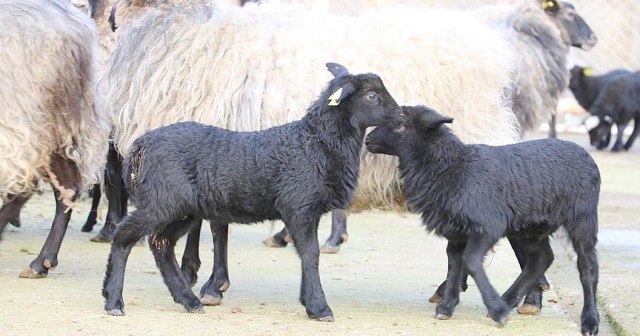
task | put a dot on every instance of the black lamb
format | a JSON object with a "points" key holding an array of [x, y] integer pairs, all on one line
{"points": [[618, 103], [473, 195], [586, 88], [180, 174]]}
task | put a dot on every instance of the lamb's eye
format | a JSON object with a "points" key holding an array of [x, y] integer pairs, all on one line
{"points": [[372, 96]]}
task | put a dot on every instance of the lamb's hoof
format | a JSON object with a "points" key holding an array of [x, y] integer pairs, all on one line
{"points": [[326, 248], [100, 238], [87, 227], [210, 300], [115, 312], [527, 309], [30, 273], [270, 242], [440, 316], [503, 321], [288, 239], [326, 319], [199, 310], [435, 298], [15, 222], [545, 287]]}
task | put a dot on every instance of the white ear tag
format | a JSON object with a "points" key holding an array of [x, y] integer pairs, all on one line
{"points": [[333, 99]]}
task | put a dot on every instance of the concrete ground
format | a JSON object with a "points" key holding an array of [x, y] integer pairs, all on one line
{"points": [[378, 284]]}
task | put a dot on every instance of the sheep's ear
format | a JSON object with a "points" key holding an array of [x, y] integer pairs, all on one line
{"points": [[587, 72], [340, 94], [432, 120], [337, 69], [550, 6]]}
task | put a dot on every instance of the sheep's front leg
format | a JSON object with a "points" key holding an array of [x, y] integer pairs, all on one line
{"points": [[472, 258], [634, 134], [619, 145], [10, 211], [451, 287], [305, 236], [211, 292]]}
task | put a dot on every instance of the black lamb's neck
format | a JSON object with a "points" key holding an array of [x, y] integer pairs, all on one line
{"points": [[427, 164]]}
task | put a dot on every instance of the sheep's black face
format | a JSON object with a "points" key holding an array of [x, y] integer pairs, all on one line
{"points": [[372, 104], [580, 34], [599, 134], [577, 73], [385, 139]]}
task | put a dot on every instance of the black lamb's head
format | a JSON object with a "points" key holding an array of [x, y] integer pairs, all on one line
{"points": [[419, 123], [363, 96]]}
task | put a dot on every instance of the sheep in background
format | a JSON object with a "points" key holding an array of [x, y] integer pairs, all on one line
{"points": [[541, 32], [618, 103], [53, 124], [182, 173], [255, 67], [586, 87], [473, 195]]}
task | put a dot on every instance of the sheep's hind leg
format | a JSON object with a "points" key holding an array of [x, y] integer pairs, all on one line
{"points": [[92, 218], [618, 145], [280, 239], [191, 258], [305, 236], [63, 173], [533, 301], [162, 245], [211, 292], [130, 231], [10, 211], [634, 134], [588, 269], [451, 286], [338, 232], [437, 296], [539, 257], [472, 258]]}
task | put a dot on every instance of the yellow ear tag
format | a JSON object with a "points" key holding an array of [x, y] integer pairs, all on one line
{"points": [[333, 99], [587, 72], [547, 4]]}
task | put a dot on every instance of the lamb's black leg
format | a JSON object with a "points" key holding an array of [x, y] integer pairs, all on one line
{"points": [[539, 257], [191, 257], [304, 232], [450, 287], [211, 292], [162, 245], [10, 211], [618, 145], [588, 269], [93, 213], [477, 247], [114, 190], [437, 296], [129, 232], [634, 134], [280, 239], [533, 301], [67, 175], [338, 232], [552, 127]]}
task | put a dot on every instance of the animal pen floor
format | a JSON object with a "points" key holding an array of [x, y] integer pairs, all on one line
{"points": [[378, 284]]}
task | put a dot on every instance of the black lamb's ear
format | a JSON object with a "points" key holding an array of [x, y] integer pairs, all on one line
{"points": [[430, 119], [337, 69], [550, 6], [341, 93]]}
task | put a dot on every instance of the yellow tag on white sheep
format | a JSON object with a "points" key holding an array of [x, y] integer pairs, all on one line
{"points": [[587, 72], [333, 99], [547, 4]]}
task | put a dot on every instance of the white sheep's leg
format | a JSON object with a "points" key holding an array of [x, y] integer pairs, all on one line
{"points": [[211, 292], [10, 212], [304, 231], [476, 249], [117, 196], [65, 178]]}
